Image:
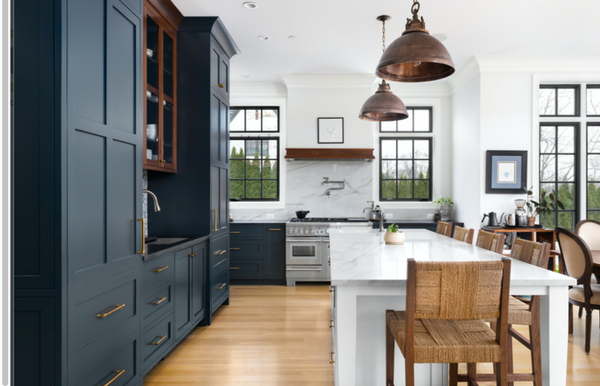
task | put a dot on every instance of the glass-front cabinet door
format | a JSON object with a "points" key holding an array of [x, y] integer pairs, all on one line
{"points": [[160, 146]]}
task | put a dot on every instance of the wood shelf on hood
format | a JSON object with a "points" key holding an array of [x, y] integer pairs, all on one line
{"points": [[293, 154]]}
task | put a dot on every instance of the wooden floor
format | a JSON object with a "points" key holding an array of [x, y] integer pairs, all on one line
{"points": [[275, 335]]}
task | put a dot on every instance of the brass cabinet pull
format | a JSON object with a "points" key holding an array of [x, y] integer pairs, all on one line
{"points": [[162, 337], [119, 373], [214, 210], [143, 237], [331, 288], [234, 232], [275, 229], [220, 252], [331, 358], [331, 323], [234, 267], [193, 254], [221, 85], [220, 286], [160, 269], [234, 249], [159, 301], [117, 308]]}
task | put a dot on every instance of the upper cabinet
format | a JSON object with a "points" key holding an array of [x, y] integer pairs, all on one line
{"points": [[160, 88], [219, 69]]}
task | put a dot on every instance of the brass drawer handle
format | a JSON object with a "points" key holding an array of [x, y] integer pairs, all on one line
{"points": [[119, 373], [234, 267], [331, 323], [275, 229], [162, 337], [193, 254], [117, 308], [331, 358], [214, 210], [220, 252], [234, 249], [160, 269], [331, 289], [143, 238], [221, 85], [220, 286], [160, 301], [234, 233]]}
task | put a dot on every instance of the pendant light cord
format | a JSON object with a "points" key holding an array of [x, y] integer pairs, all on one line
{"points": [[383, 38]]}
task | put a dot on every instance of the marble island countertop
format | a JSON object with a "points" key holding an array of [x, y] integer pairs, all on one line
{"points": [[361, 258]]}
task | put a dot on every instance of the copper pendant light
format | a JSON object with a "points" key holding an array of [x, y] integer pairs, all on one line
{"points": [[383, 105], [415, 56]]}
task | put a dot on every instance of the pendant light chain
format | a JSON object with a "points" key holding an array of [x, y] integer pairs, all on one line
{"points": [[383, 38]]}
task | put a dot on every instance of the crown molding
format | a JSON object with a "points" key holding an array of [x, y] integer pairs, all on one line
{"points": [[540, 64], [328, 80], [463, 76]]}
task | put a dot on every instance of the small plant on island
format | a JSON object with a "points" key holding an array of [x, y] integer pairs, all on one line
{"points": [[392, 228]]}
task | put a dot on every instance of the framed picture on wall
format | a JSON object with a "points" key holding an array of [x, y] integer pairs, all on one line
{"points": [[506, 172], [330, 130]]}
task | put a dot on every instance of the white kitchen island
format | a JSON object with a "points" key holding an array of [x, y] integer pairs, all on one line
{"points": [[368, 277]]}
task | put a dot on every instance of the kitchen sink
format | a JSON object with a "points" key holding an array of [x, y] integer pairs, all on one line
{"points": [[167, 240]]}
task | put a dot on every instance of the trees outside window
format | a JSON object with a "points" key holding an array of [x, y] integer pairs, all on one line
{"points": [[405, 169]]}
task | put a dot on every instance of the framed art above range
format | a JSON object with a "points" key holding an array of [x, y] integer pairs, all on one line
{"points": [[506, 172]]}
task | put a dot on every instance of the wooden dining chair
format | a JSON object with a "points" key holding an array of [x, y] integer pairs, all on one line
{"points": [[589, 231], [577, 260], [463, 234], [444, 228], [446, 304], [491, 241]]}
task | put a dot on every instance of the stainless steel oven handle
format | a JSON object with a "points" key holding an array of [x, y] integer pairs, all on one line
{"points": [[292, 268], [303, 240]]}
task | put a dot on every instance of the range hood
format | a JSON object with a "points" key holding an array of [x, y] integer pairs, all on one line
{"points": [[338, 154]]}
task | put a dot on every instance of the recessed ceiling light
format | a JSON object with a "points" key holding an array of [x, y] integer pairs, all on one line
{"points": [[440, 37], [292, 37], [250, 5], [263, 38]]}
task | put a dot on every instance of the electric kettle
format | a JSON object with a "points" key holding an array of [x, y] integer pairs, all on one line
{"points": [[492, 219]]}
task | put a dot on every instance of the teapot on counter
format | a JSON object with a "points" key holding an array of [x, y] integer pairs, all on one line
{"points": [[492, 219]]}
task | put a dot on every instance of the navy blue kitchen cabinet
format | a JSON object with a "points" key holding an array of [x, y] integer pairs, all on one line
{"points": [[257, 253], [77, 158]]}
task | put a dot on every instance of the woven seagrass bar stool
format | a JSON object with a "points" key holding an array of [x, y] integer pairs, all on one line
{"points": [[444, 228], [523, 311], [446, 304], [491, 241], [463, 234]]}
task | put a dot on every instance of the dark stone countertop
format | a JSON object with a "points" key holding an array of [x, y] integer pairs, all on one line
{"points": [[153, 251]]}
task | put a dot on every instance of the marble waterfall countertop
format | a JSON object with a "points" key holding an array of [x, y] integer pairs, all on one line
{"points": [[360, 257]]}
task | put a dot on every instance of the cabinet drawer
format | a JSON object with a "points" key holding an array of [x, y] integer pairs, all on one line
{"points": [[219, 288], [156, 341], [157, 270], [251, 232], [246, 269], [219, 251], [157, 303], [118, 363], [246, 249]]}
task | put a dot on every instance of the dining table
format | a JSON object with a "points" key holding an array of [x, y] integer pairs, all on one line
{"points": [[369, 276]]}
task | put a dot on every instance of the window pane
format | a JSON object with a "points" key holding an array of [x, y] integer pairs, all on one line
{"points": [[548, 221], [421, 120], [547, 167], [236, 169], [253, 189], [406, 124], [421, 169], [388, 170], [269, 189], [422, 149], [388, 189], [593, 216], [547, 102], [566, 220], [547, 188], [236, 189], [236, 120], [270, 120], [566, 101], [388, 126], [566, 195], [269, 170], [593, 101], [566, 168], [253, 149], [566, 139], [593, 167], [269, 149], [405, 189], [547, 139], [237, 149], [253, 169], [405, 170], [422, 189], [593, 139], [388, 149], [253, 118], [593, 196], [405, 150]]}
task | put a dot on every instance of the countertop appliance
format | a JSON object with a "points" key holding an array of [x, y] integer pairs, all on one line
{"points": [[307, 255], [492, 219]]}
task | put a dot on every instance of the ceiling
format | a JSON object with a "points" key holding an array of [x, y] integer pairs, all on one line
{"points": [[344, 37]]}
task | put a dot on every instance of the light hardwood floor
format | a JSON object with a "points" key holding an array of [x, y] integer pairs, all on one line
{"points": [[276, 335]]}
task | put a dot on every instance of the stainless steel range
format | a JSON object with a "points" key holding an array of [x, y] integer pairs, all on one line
{"points": [[307, 246]]}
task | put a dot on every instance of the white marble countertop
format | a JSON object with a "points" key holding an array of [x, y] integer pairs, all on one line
{"points": [[359, 257]]}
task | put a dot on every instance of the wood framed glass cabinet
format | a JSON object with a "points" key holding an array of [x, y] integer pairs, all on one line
{"points": [[160, 89]]}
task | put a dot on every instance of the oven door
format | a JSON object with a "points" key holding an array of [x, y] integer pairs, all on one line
{"points": [[304, 251]]}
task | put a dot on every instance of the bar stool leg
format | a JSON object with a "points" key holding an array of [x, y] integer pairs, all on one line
{"points": [[389, 356]]}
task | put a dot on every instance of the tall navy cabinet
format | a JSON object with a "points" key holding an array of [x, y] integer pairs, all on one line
{"points": [[77, 187]]}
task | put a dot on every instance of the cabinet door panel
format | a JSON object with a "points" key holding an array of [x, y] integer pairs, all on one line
{"points": [[198, 282], [275, 253], [224, 74], [214, 198], [215, 128], [183, 314], [223, 199], [215, 59], [224, 133]]}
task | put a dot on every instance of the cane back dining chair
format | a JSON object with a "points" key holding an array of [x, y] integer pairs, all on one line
{"points": [[589, 231], [444, 228], [491, 241], [446, 304], [463, 234], [577, 260]]}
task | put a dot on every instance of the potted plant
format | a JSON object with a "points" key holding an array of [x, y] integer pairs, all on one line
{"points": [[545, 205], [393, 235], [445, 205]]}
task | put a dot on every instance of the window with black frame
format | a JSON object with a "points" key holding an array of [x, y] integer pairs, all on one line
{"points": [[254, 119], [593, 100], [419, 120], [405, 169], [254, 169], [593, 171], [559, 101]]}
